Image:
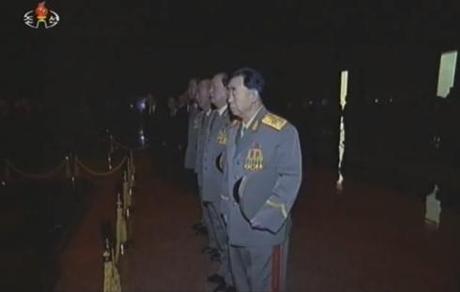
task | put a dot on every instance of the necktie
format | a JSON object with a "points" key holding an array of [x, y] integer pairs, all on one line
{"points": [[242, 131], [213, 118], [203, 119], [238, 136]]}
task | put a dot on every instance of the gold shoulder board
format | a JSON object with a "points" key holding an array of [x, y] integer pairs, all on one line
{"points": [[274, 121]]}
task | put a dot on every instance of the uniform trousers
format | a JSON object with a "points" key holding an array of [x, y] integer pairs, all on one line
{"points": [[259, 268], [219, 233], [206, 220]]}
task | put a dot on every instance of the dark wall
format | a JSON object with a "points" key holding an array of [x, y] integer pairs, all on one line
{"points": [[63, 69]]}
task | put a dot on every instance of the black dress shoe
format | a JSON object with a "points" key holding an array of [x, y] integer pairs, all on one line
{"points": [[216, 278], [215, 256], [220, 288], [203, 232], [198, 226], [207, 250]]}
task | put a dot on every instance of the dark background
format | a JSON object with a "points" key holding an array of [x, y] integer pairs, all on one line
{"points": [[103, 54], [115, 49]]}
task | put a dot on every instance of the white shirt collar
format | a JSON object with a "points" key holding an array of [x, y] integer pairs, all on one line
{"points": [[246, 125], [222, 110]]}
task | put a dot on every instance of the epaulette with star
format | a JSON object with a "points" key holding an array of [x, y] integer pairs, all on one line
{"points": [[274, 121]]}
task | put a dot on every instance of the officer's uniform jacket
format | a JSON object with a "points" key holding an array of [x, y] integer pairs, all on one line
{"points": [[262, 176], [192, 136], [215, 145], [203, 131]]}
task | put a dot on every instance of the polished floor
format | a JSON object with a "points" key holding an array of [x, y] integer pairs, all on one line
{"points": [[367, 239]]}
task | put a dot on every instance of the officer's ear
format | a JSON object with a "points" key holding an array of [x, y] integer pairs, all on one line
{"points": [[254, 95]]}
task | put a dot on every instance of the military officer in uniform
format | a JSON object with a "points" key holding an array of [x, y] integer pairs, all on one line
{"points": [[193, 125], [262, 177], [213, 176], [203, 119], [192, 139]]}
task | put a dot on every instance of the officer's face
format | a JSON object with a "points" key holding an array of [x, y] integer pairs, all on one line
{"points": [[239, 96], [218, 92], [192, 90], [171, 102], [203, 96]]}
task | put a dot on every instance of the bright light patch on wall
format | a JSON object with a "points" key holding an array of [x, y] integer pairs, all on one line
{"points": [[446, 73], [343, 88], [343, 102]]}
